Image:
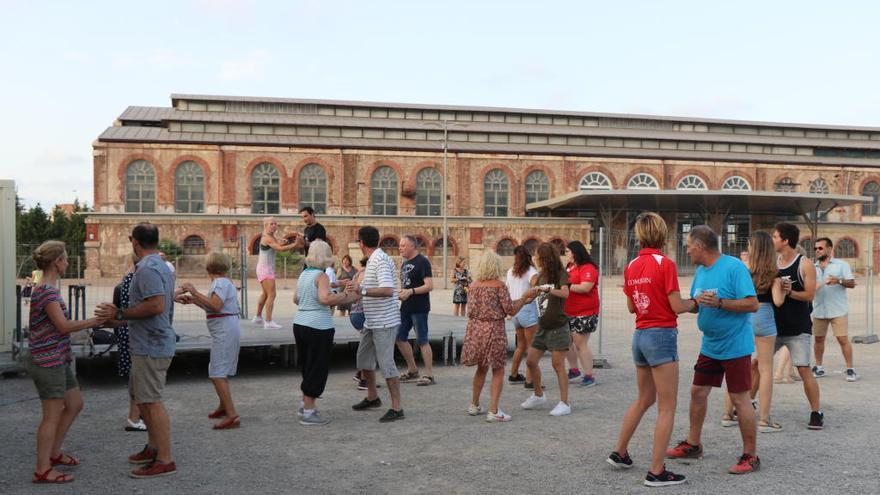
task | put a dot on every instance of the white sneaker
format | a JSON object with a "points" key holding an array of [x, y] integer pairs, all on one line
{"points": [[561, 409], [534, 402], [498, 417], [257, 320], [132, 426], [475, 410], [271, 325]]}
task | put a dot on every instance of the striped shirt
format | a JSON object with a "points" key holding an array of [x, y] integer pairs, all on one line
{"points": [[311, 312], [380, 312], [47, 345]]}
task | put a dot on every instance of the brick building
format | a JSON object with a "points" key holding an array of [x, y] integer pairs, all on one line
{"points": [[208, 168]]}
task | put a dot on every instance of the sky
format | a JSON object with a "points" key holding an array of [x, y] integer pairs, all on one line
{"points": [[70, 68]]}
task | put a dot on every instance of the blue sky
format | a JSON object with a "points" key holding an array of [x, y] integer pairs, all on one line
{"points": [[70, 68]]}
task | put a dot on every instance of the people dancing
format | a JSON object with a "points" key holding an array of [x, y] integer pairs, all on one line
{"points": [[266, 273]]}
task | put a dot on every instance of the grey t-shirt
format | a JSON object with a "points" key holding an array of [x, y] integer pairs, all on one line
{"points": [[154, 336], [226, 291]]}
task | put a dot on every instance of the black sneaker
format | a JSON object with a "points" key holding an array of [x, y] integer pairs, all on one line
{"points": [[367, 404], [666, 478], [392, 415], [817, 420], [518, 378], [362, 385], [620, 462]]}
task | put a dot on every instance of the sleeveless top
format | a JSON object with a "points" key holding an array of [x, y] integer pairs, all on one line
{"points": [[311, 312], [267, 256], [793, 317]]}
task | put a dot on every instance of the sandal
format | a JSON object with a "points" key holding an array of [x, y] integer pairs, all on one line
{"points": [[425, 381], [769, 426], [228, 423], [218, 413], [44, 477], [409, 376], [60, 460]]}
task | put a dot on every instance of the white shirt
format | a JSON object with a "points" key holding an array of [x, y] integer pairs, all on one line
{"points": [[517, 286]]}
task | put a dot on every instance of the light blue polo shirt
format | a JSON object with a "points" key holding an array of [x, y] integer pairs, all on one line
{"points": [[830, 300], [726, 335], [154, 336]]}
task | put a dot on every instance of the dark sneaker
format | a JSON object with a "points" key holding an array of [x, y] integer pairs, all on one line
{"points": [[574, 375], [746, 464], [817, 420], [145, 456], [392, 415], [367, 404], [620, 462], [685, 450], [818, 371], [851, 375], [666, 478], [362, 385], [154, 470], [519, 378]]}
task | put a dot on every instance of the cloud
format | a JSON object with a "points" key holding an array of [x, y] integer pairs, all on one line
{"points": [[251, 66]]}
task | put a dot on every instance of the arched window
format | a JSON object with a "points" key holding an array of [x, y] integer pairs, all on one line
{"points": [[819, 186], [389, 245], [495, 189], [691, 182], [140, 187], [845, 248], [595, 180], [786, 184], [871, 189], [265, 190], [505, 247], [189, 188], [383, 191], [642, 181], [313, 187], [438, 247], [531, 245], [537, 187], [429, 187], [736, 183], [193, 244]]}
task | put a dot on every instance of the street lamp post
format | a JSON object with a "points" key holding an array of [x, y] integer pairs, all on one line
{"points": [[444, 204]]}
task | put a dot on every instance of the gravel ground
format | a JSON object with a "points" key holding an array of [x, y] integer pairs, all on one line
{"points": [[438, 448]]}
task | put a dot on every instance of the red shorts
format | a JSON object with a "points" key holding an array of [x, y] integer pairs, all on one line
{"points": [[737, 372]]}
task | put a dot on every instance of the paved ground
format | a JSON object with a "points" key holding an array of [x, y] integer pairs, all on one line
{"points": [[438, 448]]}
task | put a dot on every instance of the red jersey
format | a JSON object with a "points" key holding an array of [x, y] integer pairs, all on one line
{"points": [[582, 304], [647, 281]]}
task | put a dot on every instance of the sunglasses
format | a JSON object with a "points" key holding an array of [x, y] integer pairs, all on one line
{"points": [[818, 249]]}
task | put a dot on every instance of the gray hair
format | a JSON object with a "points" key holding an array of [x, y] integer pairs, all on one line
{"points": [[412, 239], [705, 236], [320, 255]]}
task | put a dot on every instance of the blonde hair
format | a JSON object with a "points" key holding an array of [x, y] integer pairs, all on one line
{"points": [[320, 255], [488, 266], [47, 253], [217, 263], [651, 230]]}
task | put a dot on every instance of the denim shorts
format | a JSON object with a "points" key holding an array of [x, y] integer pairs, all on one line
{"points": [[527, 316], [655, 346], [799, 346], [763, 321], [410, 320]]}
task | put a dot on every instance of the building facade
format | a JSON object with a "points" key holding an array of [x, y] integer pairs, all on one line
{"points": [[208, 168]]}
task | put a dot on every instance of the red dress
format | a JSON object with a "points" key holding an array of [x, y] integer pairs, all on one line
{"points": [[485, 341]]}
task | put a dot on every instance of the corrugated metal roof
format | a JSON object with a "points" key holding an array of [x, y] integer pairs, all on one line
{"points": [[161, 135]]}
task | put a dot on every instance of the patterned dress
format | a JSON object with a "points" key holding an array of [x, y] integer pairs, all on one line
{"points": [[485, 341], [123, 357], [460, 292]]}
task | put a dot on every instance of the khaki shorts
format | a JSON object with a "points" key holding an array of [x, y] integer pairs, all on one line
{"points": [[146, 382], [838, 326], [53, 382], [377, 348], [552, 339]]}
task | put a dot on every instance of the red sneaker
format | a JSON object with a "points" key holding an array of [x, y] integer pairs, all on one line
{"points": [[156, 469], [685, 450], [746, 464], [146, 456]]}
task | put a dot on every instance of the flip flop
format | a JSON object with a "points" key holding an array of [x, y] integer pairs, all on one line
{"points": [[59, 460], [44, 477], [228, 423]]}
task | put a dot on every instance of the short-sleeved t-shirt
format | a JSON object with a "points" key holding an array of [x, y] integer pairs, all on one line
{"points": [[579, 304], [517, 286], [380, 312], [549, 306], [154, 336], [413, 273], [48, 346], [726, 334], [830, 300], [226, 291], [648, 280], [315, 231]]}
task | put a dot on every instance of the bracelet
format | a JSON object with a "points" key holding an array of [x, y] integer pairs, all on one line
{"points": [[720, 303]]}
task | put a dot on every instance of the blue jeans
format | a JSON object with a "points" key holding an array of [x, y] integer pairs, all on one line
{"points": [[763, 321], [410, 320], [655, 346]]}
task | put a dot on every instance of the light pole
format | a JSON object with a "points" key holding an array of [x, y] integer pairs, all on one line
{"points": [[444, 204]]}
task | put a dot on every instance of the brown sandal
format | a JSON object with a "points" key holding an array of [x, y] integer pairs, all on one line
{"points": [[44, 477], [60, 461], [409, 376]]}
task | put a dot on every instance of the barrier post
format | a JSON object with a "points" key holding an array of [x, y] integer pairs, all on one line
{"points": [[599, 359], [870, 337]]}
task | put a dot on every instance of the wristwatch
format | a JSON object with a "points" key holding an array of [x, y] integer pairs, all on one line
{"points": [[363, 291], [119, 315]]}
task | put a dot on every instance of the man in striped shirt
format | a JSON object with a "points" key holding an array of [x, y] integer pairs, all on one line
{"points": [[380, 295]]}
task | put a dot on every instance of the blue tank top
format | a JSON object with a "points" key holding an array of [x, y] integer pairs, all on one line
{"points": [[311, 312]]}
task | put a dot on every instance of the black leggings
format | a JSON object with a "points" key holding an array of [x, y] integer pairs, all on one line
{"points": [[313, 349]]}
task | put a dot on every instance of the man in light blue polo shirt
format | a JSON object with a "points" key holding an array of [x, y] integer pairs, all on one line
{"points": [[833, 277]]}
